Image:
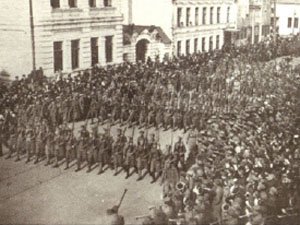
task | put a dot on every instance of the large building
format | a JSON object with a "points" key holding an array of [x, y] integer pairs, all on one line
{"points": [[287, 13], [253, 22], [71, 35], [68, 35], [191, 25]]}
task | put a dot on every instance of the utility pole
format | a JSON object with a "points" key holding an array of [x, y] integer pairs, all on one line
{"points": [[32, 37]]}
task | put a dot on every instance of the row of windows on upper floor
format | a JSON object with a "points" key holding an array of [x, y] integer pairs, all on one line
{"points": [[55, 4], [58, 52], [188, 17], [212, 45]]}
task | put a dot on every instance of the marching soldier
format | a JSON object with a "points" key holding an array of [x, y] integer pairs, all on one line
{"points": [[92, 152], [155, 162], [179, 152], [12, 142], [39, 147], [104, 155], [129, 156], [58, 146], [117, 151], [20, 143], [30, 143], [82, 146], [50, 145], [70, 147]]}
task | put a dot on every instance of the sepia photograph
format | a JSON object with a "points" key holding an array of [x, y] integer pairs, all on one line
{"points": [[150, 112]]}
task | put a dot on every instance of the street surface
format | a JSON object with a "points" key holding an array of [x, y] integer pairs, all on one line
{"points": [[35, 194]]}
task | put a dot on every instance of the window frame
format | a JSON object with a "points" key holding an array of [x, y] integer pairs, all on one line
{"points": [[107, 3], [73, 4], [55, 6], [196, 16], [75, 53], [211, 15], [57, 51], [92, 3], [188, 16], [179, 16], [109, 48], [204, 15], [94, 51], [188, 47], [290, 21], [218, 14], [179, 46]]}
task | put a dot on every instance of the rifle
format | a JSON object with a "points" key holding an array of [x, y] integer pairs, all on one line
{"points": [[124, 193]]}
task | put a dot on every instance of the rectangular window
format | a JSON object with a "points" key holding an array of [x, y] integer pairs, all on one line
{"points": [[179, 15], [203, 45], [204, 15], [55, 4], [289, 22], [92, 3], [107, 3], [218, 42], [228, 14], [296, 22], [109, 48], [187, 47], [188, 15], [58, 56], [178, 48], [218, 14], [211, 17], [211, 43], [197, 16], [75, 53], [94, 51], [73, 3], [195, 45]]}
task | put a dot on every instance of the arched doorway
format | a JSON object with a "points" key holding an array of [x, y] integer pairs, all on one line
{"points": [[141, 50]]}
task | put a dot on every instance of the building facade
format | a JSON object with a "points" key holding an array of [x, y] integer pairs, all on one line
{"points": [[199, 25], [287, 14], [253, 22], [191, 25], [69, 35]]}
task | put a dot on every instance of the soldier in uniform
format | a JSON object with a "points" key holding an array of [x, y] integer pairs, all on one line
{"points": [[92, 152], [12, 142], [20, 143], [179, 152], [141, 154], [155, 159], [104, 154], [58, 145], [83, 146], [30, 143], [129, 156], [192, 147], [70, 147], [39, 144], [117, 151], [49, 147]]}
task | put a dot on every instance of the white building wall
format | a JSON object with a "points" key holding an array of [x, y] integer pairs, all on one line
{"points": [[284, 11], [15, 42], [62, 24], [207, 30]]}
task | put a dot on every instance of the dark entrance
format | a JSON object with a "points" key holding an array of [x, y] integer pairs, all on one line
{"points": [[141, 49]]}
